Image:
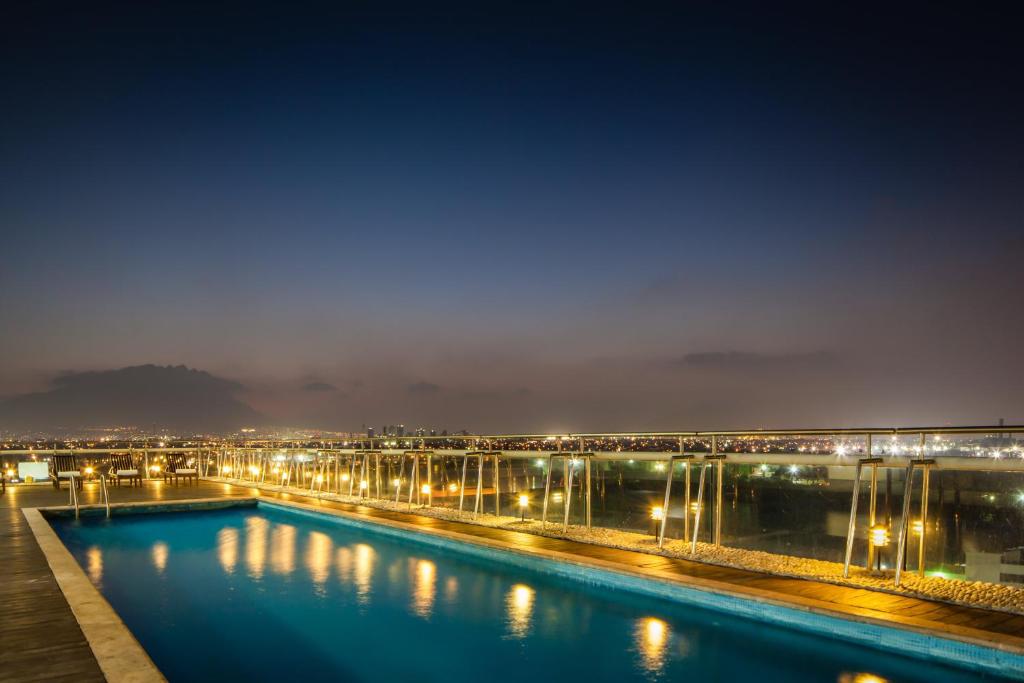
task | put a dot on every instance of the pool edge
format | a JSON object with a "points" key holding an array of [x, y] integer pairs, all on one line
{"points": [[119, 654]]}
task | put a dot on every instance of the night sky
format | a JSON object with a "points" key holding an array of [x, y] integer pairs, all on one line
{"points": [[538, 217]]}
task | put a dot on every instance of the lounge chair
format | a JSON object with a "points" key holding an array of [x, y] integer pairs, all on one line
{"points": [[122, 467], [178, 468], [65, 467]]}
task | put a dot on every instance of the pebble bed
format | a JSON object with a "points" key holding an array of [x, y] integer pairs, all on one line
{"points": [[991, 596]]}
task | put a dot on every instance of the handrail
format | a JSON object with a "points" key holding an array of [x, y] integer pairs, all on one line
{"points": [[106, 497], [74, 495]]}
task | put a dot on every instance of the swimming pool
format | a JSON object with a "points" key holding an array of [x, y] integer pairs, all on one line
{"points": [[261, 593]]}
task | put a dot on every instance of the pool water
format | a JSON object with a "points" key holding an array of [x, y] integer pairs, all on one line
{"points": [[266, 594]]}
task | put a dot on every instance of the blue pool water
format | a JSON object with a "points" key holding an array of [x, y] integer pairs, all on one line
{"points": [[270, 594]]}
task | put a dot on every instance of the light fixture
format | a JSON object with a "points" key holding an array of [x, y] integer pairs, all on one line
{"points": [[879, 534], [364, 484], [396, 482], [319, 478], [524, 502], [226, 469], [453, 487], [345, 477], [425, 489], [88, 471], [918, 527], [657, 513]]}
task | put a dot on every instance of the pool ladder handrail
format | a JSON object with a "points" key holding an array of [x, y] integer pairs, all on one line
{"points": [[106, 496], [73, 499]]}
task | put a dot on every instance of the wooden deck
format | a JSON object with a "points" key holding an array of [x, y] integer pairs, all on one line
{"points": [[42, 641]]}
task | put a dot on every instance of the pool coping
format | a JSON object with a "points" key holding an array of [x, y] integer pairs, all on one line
{"points": [[121, 657], [958, 643]]}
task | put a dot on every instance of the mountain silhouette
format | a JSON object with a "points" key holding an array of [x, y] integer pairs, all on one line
{"points": [[169, 397]]}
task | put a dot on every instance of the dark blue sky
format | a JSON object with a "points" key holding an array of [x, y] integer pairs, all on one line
{"points": [[538, 217]]}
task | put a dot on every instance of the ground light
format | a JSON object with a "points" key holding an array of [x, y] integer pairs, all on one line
{"points": [[657, 514], [879, 535], [524, 502]]}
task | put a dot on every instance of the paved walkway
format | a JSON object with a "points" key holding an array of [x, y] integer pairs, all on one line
{"points": [[42, 641]]}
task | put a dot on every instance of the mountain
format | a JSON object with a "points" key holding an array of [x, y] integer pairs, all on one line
{"points": [[172, 397]]}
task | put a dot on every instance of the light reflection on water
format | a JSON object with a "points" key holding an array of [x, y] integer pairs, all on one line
{"points": [[282, 549], [519, 604], [318, 558], [651, 639], [363, 577], [160, 553], [256, 529], [95, 564], [424, 587], [227, 548]]}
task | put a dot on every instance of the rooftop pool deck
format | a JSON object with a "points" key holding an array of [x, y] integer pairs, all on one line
{"points": [[38, 621]]}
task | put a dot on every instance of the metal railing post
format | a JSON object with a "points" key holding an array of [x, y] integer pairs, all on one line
{"points": [[700, 505], [925, 472], [547, 492], [462, 485], [853, 520], [497, 484], [901, 543], [478, 504], [687, 484], [569, 467], [664, 507]]}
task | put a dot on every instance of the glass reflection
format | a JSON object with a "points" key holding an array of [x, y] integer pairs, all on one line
{"points": [[318, 557], [365, 558], [94, 559], [256, 529], [160, 553], [519, 605], [424, 589], [227, 548], [651, 637], [282, 549]]}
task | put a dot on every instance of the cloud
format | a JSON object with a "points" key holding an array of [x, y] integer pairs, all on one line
{"points": [[423, 388], [752, 361], [319, 387]]}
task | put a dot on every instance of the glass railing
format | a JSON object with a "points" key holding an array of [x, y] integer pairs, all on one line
{"points": [[771, 501]]}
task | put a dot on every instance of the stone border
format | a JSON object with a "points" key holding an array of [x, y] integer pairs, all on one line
{"points": [[120, 656]]}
